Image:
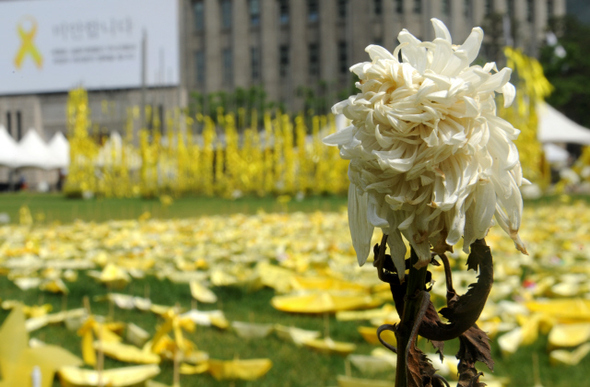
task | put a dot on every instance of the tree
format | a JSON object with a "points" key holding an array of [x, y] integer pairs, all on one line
{"points": [[566, 63]]}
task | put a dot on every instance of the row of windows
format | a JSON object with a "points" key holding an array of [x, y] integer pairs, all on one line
{"points": [[313, 65], [489, 8], [313, 11], [342, 6], [14, 128]]}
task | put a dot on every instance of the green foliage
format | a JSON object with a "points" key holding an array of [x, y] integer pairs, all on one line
{"points": [[246, 100], [570, 75], [317, 100]]}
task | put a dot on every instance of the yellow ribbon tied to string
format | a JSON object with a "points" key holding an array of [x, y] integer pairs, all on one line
{"points": [[27, 44]]}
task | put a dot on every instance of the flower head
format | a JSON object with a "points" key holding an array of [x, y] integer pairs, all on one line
{"points": [[429, 158]]}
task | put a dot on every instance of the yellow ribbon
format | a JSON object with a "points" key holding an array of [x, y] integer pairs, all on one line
{"points": [[27, 45]]}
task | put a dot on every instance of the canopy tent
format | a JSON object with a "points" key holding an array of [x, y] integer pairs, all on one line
{"points": [[555, 154], [8, 148], [59, 148], [34, 153], [555, 127]]}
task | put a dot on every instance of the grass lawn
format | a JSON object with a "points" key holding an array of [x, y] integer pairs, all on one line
{"points": [[292, 366], [55, 207]]}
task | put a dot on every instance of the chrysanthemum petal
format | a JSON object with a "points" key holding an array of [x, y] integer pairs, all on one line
{"points": [[484, 206], [423, 252], [340, 137], [375, 214], [472, 44], [502, 219], [440, 30], [361, 230], [378, 52], [509, 92], [496, 81], [398, 252], [442, 55], [412, 53]]}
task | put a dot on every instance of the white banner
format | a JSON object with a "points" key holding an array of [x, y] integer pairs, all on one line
{"points": [[57, 45]]}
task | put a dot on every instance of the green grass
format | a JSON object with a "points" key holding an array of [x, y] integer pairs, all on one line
{"points": [[55, 207], [293, 366]]}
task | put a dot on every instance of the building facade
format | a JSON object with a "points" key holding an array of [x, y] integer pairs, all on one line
{"points": [[285, 46]]}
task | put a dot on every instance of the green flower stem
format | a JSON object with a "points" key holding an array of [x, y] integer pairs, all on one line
{"points": [[416, 282]]}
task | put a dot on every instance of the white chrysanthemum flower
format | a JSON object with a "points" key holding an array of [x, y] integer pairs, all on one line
{"points": [[429, 158]]}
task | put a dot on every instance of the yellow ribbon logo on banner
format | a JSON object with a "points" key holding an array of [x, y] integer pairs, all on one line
{"points": [[27, 45]]}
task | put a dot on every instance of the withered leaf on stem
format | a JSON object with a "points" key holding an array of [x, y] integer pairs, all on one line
{"points": [[474, 346], [461, 311], [421, 373], [471, 304]]}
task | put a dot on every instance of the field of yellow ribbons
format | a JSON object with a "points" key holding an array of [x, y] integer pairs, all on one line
{"points": [[306, 258]]}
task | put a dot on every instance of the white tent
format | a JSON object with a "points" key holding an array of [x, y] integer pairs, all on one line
{"points": [[8, 148], [555, 154], [555, 127], [33, 152], [59, 147]]}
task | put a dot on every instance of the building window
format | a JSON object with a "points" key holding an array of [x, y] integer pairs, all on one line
{"points": [[9, 123], [511, 8], [313, 10], [342, 57], [446, 7], [283, 60], [342, 8], [284, 11], [529, 10], [467, 8], [19, 126], [200, 67], [417, 6], [489, 7], [254, 8], [17, 131], [550, 7], [198, 13], [378, 7], [160, 113], [399, 6], [228, 66], [226, 13], [314, 59], [255, 63]]}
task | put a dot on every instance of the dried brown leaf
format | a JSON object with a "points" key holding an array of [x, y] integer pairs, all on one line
{"points": [[421, 373], [474, 347]]}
